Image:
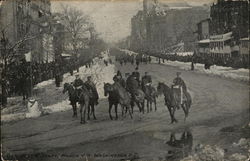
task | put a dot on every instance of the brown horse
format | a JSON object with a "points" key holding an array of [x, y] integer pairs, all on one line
{"points": [[171, 103], [124, 98]]}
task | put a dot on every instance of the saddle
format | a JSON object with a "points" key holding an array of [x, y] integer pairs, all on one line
{"points": [[179, 95]]}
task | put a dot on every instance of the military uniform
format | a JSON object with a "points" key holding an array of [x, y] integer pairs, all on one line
{"points": [[91, 87], [180, 82], [78, 83]]}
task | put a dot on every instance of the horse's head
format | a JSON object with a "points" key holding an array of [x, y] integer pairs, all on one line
{"points": [[107, 88], [160, 88], [65, 87]]}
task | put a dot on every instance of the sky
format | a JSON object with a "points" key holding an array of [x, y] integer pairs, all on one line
{"points": [[112, 18]]}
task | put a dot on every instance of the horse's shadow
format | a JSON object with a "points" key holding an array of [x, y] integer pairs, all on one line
{"points": [[181, 147]]}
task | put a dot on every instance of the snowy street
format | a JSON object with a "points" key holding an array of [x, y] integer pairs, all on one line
{"points": [[217, 103]]}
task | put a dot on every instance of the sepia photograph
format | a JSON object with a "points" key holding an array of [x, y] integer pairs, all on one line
{"points": [[124, 80]]}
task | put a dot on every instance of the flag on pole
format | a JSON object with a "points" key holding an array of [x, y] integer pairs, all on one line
{"points": [[28, 57]]}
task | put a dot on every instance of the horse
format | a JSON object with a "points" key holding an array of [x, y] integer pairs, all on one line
{"points": [[85, 99], [113, 99], [150, 96], [137, 95], [171, 103], [91, 101], [123, 95], [72, 96]]}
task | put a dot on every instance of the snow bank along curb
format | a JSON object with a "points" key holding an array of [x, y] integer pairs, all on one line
{"points": [[226, 72], [33, 111], [100, 74]]}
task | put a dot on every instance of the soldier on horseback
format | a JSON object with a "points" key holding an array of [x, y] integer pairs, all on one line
{"points": [[78, 84], [146, 80], [118, 78], [179, 84], [136, 74], [90, 85], [179, 81]]}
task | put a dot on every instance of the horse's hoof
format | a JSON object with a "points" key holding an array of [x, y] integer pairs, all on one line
{"points": [[116, 118], [95, 119]]}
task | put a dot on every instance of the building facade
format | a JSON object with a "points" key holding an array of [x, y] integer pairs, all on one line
{"points": [[26, 18], [221, 36], [158, 26], [229, 15]]}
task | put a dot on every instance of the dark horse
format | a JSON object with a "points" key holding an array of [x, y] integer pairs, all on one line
{"points": [[85, 100], [113, 99], [150, 96], [72, 97], [171, 103], [123, 95]]}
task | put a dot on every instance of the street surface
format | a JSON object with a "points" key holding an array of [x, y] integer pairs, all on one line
{"points": [[217, 103]]}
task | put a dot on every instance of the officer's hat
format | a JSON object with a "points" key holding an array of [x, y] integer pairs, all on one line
{"points": [[178, 73]]}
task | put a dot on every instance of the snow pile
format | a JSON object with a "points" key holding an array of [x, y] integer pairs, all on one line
{"points": [[206, 153], [44, 84], [243, 143], [238, 157], [33, 109], [226, 72], [100, 74], [59, 107]]}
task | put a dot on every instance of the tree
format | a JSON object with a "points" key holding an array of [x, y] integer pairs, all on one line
{"points": [[76, 24]]}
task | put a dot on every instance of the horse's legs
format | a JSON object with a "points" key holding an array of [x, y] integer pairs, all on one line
{"points": [[147, 106], [116, 116], [139, 106], [88, 111], [122, 110], [143, 106], [81, 106], [171, 114], [129, 110], [84, 112], [74, 109], [185, 109], [155, 104], [110, 107], [93, 111], [173, 111]]}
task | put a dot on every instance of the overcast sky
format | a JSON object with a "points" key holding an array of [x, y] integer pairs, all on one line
{"points": [[111, 17]]}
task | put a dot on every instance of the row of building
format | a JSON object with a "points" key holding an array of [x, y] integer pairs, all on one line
{"points": [[218, 31], [225, 34], [161, 25]]}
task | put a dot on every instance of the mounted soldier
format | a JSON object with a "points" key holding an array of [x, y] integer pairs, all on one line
{"points": [[146, 80], [78, 84], [90, 85], [118, 78], [180, 89], [136, 74]]}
